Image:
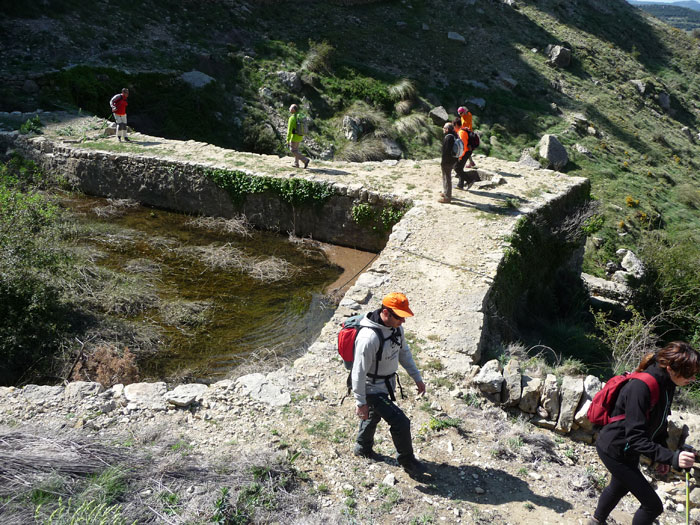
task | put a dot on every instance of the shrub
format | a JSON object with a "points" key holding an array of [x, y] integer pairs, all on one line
{"points": [[31, 312], [670, 287], [32, 125], [319, 57], [402, 90], [108, 367]]}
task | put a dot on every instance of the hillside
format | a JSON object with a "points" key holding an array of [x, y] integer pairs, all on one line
{"points": [[632, 85], [686, 17]]}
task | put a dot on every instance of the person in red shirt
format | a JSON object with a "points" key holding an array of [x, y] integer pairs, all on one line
{"points": [[118, 104]]}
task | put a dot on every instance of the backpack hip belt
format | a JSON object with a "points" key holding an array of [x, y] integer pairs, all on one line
{"points": [[387, 382]]}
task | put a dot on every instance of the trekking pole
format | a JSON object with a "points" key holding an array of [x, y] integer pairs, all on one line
{"points": [[687, 497]]}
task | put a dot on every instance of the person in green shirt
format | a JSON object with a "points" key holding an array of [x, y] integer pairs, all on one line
{"points": [[293, 139]]}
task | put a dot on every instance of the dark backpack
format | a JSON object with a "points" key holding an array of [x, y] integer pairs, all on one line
{"points": [[346, 348], [474, 139], [603, 402]]}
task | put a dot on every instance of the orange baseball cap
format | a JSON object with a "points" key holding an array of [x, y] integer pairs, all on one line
{"points": [[398, 304]]}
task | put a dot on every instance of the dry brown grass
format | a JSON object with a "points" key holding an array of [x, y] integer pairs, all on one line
{"points": [[107, 366], [237, 225], [266, 269], [368, 149]]}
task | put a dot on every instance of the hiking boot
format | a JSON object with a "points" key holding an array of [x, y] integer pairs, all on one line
{"points": [[362, 452], [460, 186], [306, 163], [444, 200], [119, 139], [413, 467], [127, 139]]}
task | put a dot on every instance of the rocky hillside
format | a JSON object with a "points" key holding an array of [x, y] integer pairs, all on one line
{"points": [[620, 90]]}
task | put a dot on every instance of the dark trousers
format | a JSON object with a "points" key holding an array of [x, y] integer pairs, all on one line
{"points": [[381, 407], [459, 170], [626, 477], [447, 179]]}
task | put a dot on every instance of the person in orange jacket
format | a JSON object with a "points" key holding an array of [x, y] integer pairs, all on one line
{"points": [[466, 118], [459, 165]]}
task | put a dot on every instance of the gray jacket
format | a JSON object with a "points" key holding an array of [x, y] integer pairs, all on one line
{"points": [[395, 351]]}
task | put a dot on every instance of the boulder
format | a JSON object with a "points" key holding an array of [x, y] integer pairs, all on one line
{"points": [[196, 79], [591, 386], [550, 399], [506, 81], [77, 390], [456, 36], [598, 287], [185, 395], [439, 116], [352, 128], [263, 389], [36, 393], [665, 101], [530, 397], [146, 395], [489, 379], [551, 149], [526, 159], [290, 79], [632, 264], [476, 84], [560, 56], [392, 148], [571, 392], [643, 88], [513, 383], [478, 102]]}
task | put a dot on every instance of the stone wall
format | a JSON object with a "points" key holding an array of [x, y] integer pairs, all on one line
{"points": [[186, 187]]}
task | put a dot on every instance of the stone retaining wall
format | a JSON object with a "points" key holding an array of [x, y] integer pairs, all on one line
{"points": [[185, 187]]}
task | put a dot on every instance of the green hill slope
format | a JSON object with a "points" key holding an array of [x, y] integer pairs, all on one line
{"points": [[633, 78]]}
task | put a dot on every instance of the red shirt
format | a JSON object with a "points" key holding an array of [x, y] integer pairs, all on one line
{"points": [[118, 104]]}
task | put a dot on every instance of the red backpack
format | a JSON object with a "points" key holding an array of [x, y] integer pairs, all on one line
{"points": [[604, 401], [346, 339]]}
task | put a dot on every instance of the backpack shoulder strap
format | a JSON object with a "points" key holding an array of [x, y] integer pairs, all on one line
{"points": [[652, 383]]}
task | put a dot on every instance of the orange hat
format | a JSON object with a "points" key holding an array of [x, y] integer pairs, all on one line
{"points": [[398, 304]]}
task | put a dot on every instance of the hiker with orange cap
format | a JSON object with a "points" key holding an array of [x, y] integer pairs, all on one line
{"points": [[374, 380]]}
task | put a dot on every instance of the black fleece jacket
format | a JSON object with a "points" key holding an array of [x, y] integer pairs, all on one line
{"points": [[448, 141], [636, 434]]}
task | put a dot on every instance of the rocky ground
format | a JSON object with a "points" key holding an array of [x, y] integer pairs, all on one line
{"points": [[485, 465]]}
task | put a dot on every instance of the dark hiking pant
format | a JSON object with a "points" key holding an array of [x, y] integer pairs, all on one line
{"points": [[626, 477], [447, 179], [381, 407], [459, 170]]}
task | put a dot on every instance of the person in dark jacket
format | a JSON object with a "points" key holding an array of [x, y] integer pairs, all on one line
{"points": [[643, 431], [447, 162]]}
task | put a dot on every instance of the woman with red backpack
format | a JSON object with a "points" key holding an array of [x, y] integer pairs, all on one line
{"points": [[638, 426]]}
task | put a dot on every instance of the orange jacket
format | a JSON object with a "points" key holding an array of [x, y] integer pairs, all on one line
{"points": [[467, 120]]}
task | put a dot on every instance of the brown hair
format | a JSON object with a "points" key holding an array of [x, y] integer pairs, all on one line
{"points": [[681, 357]]}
